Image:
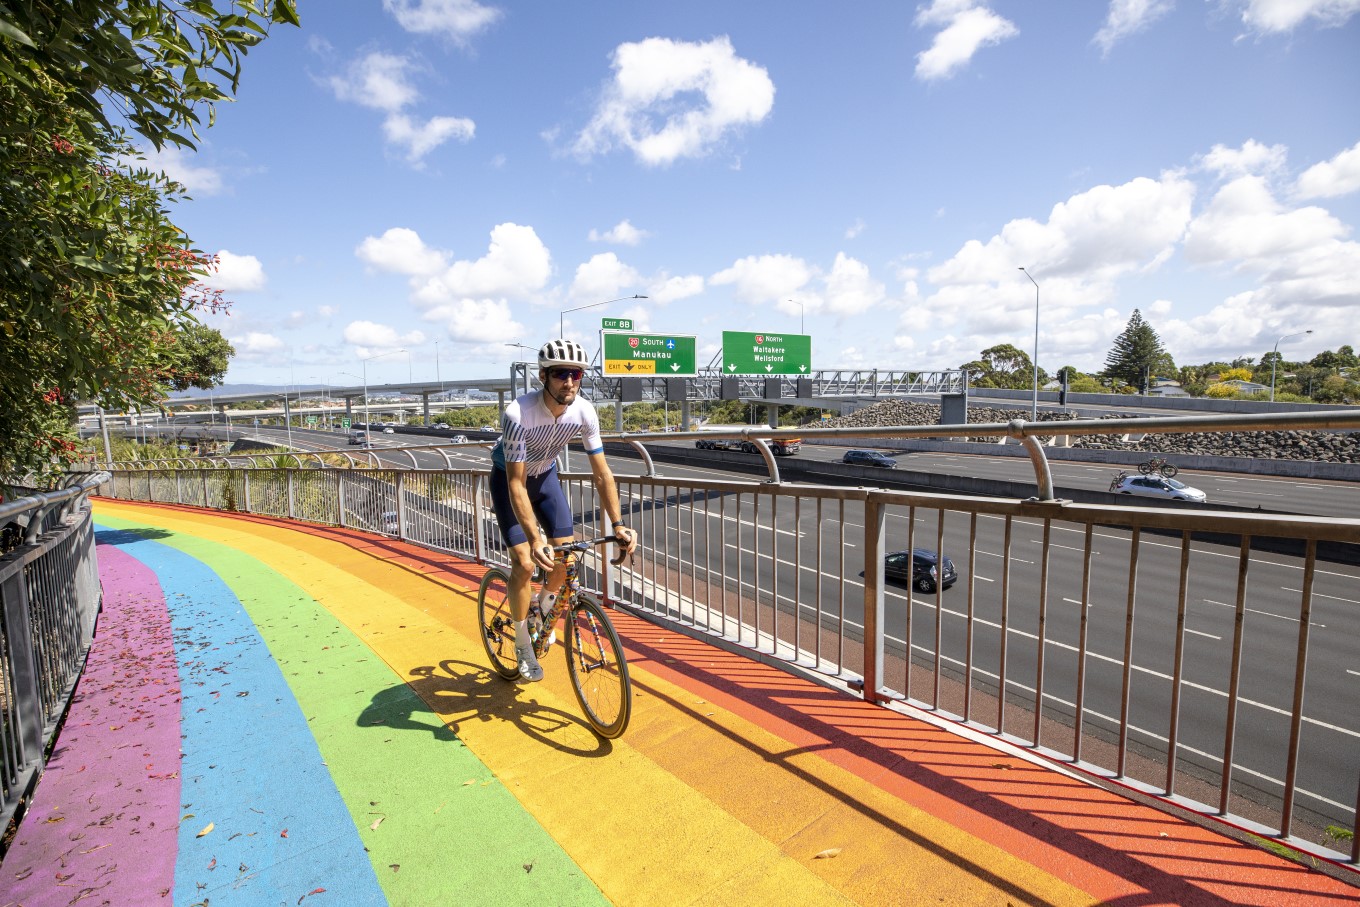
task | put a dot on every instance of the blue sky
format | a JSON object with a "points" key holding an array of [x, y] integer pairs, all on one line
{"points": [[448, 176]]}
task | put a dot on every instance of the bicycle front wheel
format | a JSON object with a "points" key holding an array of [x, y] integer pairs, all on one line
{"points": [[1145, 468], [497, 626], [598, 669], [1170, 471]]}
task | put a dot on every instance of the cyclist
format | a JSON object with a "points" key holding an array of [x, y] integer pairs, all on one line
{"points": [[530, 506]]}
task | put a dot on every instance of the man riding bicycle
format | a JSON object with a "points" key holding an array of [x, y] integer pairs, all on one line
{"points": [[530, 506]]}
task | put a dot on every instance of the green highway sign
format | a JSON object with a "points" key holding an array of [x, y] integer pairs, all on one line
{"points": [[766, 354], [626, 353], [344, 423], [616, 324]]}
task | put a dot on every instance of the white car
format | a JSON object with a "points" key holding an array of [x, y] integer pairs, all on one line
{"points": [[1156, 487], [388, 431]]}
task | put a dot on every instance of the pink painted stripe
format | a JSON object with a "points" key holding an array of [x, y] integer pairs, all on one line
{"points": [[104, 819]]}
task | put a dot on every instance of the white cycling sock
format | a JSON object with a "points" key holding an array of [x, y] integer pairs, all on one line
{"points": [[522, 636]]}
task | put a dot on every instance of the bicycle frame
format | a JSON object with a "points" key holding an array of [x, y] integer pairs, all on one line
{"points": [[566, 596]]}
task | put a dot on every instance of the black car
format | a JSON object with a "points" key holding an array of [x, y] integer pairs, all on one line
{"points": [[924, 571], [868, 458]]}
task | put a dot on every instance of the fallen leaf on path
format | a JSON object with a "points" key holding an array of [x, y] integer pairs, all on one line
{"points": [[828, 854], [207, 828], [376, 822]]}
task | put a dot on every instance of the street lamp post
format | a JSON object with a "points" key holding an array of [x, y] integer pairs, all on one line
{"points": [[368, 423], [562, 318], [1034, 410], [1275, 359], [800, 314]]}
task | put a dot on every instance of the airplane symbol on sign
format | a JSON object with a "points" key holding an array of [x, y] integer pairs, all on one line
{"points": [[670, 344]]}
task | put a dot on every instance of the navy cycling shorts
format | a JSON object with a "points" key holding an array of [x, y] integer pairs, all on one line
{"points": [[546, 495]]}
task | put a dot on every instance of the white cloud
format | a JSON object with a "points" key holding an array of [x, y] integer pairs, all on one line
{"points": [[649, 107], [455, 19], [326, 311], [382, 82], [177, 164], [1244, 227], [1252, 158], [1329, 179], [623, 233], [370, 337], [379, 81], [256, 346], [849, 288], [236, 273], [967, 27], [477, 320], [516, 265], [854, 229], [421, 140], [401, 251], [765, 278], [602, 277], [1273, 16], [664, 289], [1128, 17]]}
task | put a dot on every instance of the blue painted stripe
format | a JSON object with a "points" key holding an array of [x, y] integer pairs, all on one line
{"points": [[251, 766]]}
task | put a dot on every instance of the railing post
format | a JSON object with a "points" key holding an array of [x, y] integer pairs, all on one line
{"points": [[179, 487], [875, 520], [245, 489], [340, 498], [401, 505], [479, 544], [25, 700], [289, 474]]}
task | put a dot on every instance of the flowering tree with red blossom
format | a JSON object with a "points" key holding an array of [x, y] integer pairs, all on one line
{"points": [[100, 292]]}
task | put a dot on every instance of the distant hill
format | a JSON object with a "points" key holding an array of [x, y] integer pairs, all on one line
{"points": [[247, 389]]}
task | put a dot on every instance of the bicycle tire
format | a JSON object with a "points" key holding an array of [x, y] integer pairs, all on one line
{"points": [[1145, 468], [598, 669], [498, 627], [1170, 471]]}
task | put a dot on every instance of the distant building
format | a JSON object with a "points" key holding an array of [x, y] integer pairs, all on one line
{"points": [[1167, 389], [1248, 387]]}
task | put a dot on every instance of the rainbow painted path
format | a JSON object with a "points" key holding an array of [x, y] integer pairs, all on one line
{"points": [[279, 714]]}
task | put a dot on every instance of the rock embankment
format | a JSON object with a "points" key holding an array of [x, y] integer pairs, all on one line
{"points": [[1322, 446]]}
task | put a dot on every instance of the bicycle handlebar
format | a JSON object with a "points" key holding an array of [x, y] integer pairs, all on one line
{"points": [[584, 545]]}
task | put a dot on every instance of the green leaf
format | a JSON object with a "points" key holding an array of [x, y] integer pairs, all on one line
{"points": [[9, 30]]}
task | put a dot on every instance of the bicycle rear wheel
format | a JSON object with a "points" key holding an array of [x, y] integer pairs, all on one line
{"points": [[1145, 468], [1169, 471], [498, 627], [598, 669]]}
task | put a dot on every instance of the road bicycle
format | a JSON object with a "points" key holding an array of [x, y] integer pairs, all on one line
{"points": [[595, 659], [1159, 465]]}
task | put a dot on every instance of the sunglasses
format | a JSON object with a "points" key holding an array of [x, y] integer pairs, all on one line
{"points": [[565, 374]]}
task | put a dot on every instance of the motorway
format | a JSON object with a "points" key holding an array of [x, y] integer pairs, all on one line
{"points": [[1329, 762]]}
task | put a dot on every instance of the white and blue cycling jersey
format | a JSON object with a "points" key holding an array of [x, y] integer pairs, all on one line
{"points": [[531, 435]]}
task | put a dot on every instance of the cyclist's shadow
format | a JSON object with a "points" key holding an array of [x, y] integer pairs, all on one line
{"points": [[436, 699]]}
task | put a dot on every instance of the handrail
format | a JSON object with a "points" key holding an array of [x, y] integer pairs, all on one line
{"points": [[40, 502]]}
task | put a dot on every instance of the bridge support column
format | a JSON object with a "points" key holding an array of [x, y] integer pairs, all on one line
{"points": [[772, 414], [684, 415], [618, 415], [425, 407], [500, 408]]}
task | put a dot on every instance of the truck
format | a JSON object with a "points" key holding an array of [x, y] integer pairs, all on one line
{"points": [[780, 447]]}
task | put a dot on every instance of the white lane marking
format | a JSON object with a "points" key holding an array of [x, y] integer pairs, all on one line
{"points": [[1292, 620], [1198, 633], [1335, 598]]}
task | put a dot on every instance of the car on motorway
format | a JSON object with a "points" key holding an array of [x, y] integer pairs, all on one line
{"points": [[488, 428], [357, 437], [389, 430], [459, 439], [1156, 487], [391, 523], [868, 458], [921, 568]]}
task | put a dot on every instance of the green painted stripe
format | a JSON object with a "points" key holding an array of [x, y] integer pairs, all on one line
{"points": [[441, 839]]}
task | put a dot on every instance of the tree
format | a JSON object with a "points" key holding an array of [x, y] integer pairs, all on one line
{"points": [[1003, 365], [98, 287], [1138, 354]]}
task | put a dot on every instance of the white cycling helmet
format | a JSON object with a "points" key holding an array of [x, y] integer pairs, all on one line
{"points": [[562, 352]]}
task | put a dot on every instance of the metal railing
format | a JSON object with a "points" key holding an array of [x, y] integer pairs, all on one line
{"points": [[1176, 652], [49, 597]]}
